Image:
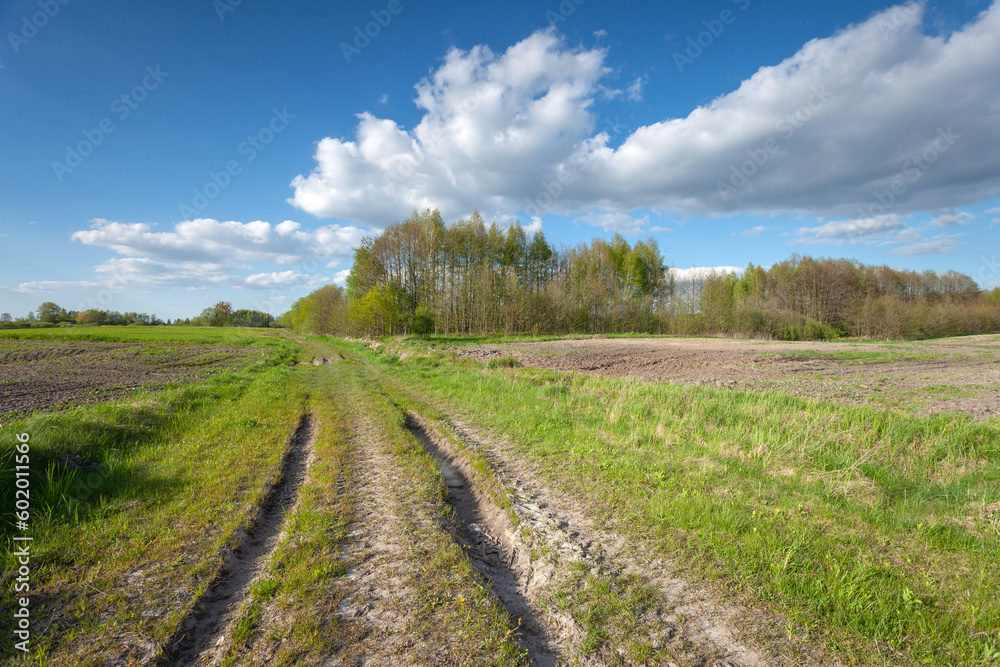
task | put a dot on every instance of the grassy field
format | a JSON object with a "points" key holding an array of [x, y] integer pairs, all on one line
{"points": [[874, 531], [127, 546], [149, 334], [872, 534]]}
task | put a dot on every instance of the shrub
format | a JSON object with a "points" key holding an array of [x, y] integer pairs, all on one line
{"points": [[423, 321]]}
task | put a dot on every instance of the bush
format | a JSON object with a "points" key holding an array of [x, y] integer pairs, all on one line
{"points": [[813, 330], [423, 321]]}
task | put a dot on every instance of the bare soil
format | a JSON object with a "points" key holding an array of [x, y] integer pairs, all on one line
{"points": [[926, 377], [45, 375]]}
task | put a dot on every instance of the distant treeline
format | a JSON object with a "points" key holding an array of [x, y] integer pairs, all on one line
{"points": [[50, 314], [421, 276]]}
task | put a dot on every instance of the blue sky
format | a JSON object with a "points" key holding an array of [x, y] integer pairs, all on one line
{"points": [[163, 156]]}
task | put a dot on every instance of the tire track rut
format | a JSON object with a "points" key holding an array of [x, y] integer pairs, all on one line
{"points": [[491, 542], [696, 626]]}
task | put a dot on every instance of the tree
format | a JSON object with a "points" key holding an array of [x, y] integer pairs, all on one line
{"points": [[373, 314], [50, 312], [6, 318], [219, 314], [92, 316]]}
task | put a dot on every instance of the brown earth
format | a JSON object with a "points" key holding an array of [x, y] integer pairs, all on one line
{"points": [[43, 375], [925, 377]]}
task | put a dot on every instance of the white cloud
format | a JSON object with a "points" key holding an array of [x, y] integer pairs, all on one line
{"points": [[341, 277], [753, 232], [534, 226], [992, 210], [865, 230], [939, 245], [846, 123], [143, 274], [634, 91], [617, 222], [49, 286], [205, 253], [951, 219], [702, 272], [493, 126], [210, 240]]}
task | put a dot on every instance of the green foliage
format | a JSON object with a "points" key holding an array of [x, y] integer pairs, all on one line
{"points": [[474, 278], [50, 312], [422, 322]]}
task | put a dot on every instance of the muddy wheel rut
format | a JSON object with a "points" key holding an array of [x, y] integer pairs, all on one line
{"points": [[499, 553], [694, 626], [488, 538], [202, 636]]}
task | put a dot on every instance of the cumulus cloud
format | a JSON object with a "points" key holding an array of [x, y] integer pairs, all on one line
{"points": [[210, 240], [493, 127], [205, 253], [702, 272], [142, 274], [534, 226], [878, 119]]}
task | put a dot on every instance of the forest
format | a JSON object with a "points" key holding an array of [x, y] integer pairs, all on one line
{"points": [[424, 276]]}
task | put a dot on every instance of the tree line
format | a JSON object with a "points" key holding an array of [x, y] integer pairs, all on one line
{"points": [[50, 314], [422, 276]]}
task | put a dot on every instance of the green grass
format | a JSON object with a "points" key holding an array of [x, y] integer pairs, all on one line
{"points": [[180, 473], [149, 334], [858, 356], [860, 524]]}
